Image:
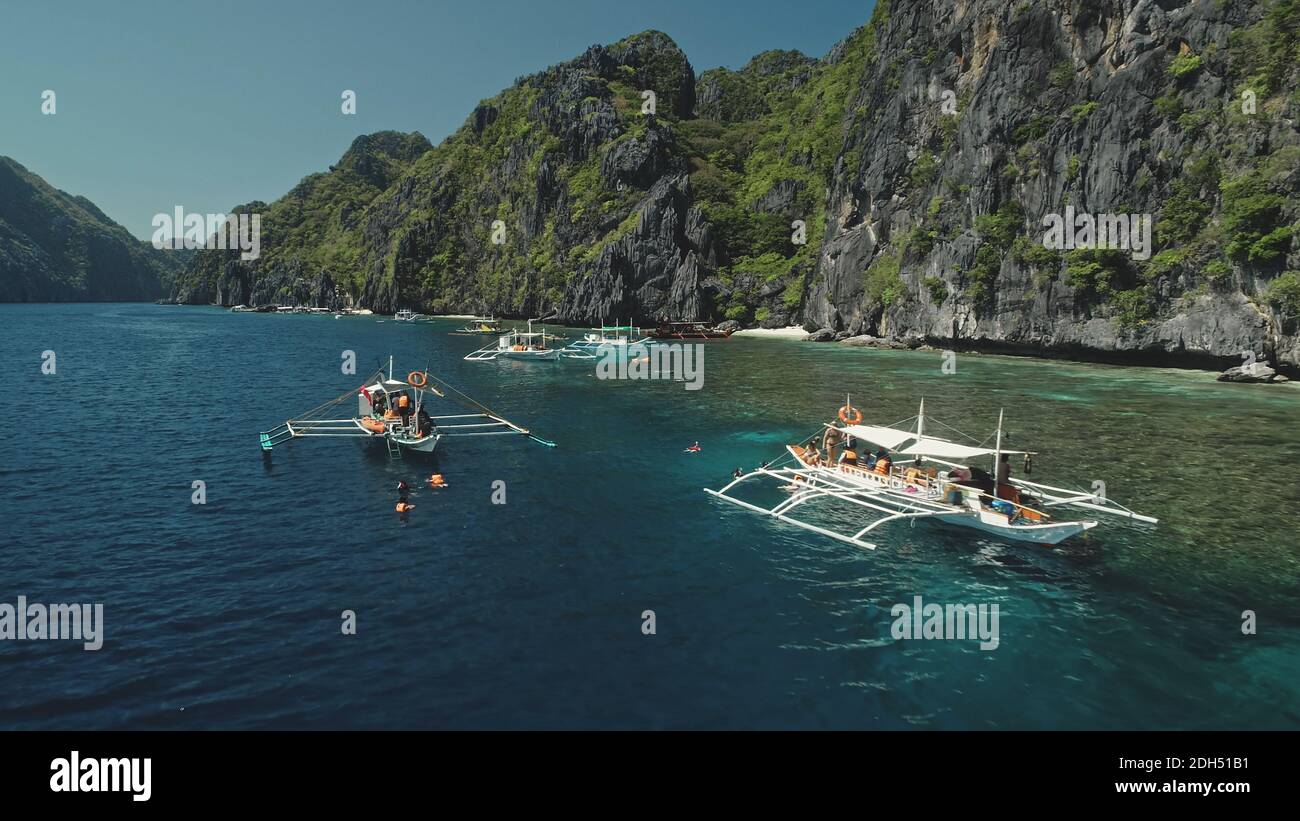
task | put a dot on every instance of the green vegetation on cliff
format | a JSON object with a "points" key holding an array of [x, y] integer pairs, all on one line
{"points": [[57, 247]]}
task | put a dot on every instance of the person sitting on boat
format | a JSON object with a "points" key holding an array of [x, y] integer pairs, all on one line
{"points": [[404, 408], [425, 422], [1004, 469], [870, 462], [377, 406], [849, 456], [883, 462]]}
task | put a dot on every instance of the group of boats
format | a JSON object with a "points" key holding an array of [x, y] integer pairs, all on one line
{"points": [[396, 411], [832, 484], [299, 309]]}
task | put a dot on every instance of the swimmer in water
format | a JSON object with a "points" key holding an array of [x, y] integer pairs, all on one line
{"points": [[436, 480], [403, 506], [695, 448]]}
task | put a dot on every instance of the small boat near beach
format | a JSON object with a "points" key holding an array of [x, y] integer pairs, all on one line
{"points": [[480, 325], [407, 315], [689, 331], [396, 412], [607, 337], [918, 476]]}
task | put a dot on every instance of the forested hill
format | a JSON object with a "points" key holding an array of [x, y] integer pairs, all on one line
{"points": [[920, 156], [57, 247]]}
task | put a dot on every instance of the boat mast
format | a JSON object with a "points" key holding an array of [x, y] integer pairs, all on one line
{"points": [[997, 456], [920, 419]]}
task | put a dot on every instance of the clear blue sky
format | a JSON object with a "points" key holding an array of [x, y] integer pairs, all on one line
{"points": [[184, 103]]}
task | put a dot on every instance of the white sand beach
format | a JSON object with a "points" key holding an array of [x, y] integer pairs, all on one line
{"points": [[792, 332]]}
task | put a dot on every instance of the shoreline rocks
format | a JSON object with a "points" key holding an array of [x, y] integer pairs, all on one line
{"points": [[1257, 373]]}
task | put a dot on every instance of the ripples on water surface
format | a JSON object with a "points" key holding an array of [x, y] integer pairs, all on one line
{"points": [[528, 615]]}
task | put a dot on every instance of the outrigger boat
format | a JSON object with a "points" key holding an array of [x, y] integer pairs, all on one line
{"points": [[516, 344], [617, 337], [914, 488], [395, 412], [407, 315], [480, 325]]}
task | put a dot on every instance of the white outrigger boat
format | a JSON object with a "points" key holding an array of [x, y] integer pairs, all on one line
{"points": [[914, 487], [616, 337], [407, 315], [394, 411], [515, 344], [480, 325]]}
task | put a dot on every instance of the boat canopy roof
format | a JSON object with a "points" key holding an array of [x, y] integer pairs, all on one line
{"points": [[387, 385], [395, 385], [894, 439], [943, 449], [879, 435]]}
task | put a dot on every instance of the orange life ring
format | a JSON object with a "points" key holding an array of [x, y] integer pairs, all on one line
{"points": [[850, 415], [417, 379]]}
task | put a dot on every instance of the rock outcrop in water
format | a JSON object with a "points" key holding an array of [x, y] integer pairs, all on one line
{"points": [[895, 188], [57, 247]]}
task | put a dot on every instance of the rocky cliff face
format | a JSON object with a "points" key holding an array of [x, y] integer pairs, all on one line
{"points": [[981, 119], [56, 247], [896, 187]]}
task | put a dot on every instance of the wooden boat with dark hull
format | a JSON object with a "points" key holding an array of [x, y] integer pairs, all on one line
{"points": [[691, 331]]}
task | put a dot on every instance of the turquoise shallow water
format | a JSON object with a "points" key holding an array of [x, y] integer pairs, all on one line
{"points": [[528, 614]]}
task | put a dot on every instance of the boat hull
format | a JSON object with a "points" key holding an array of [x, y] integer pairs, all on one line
{"points": [[536, 356], [1049, 534], [425, 444]]}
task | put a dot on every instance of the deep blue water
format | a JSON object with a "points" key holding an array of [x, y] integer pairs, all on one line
{"points": [[528, 614]]}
